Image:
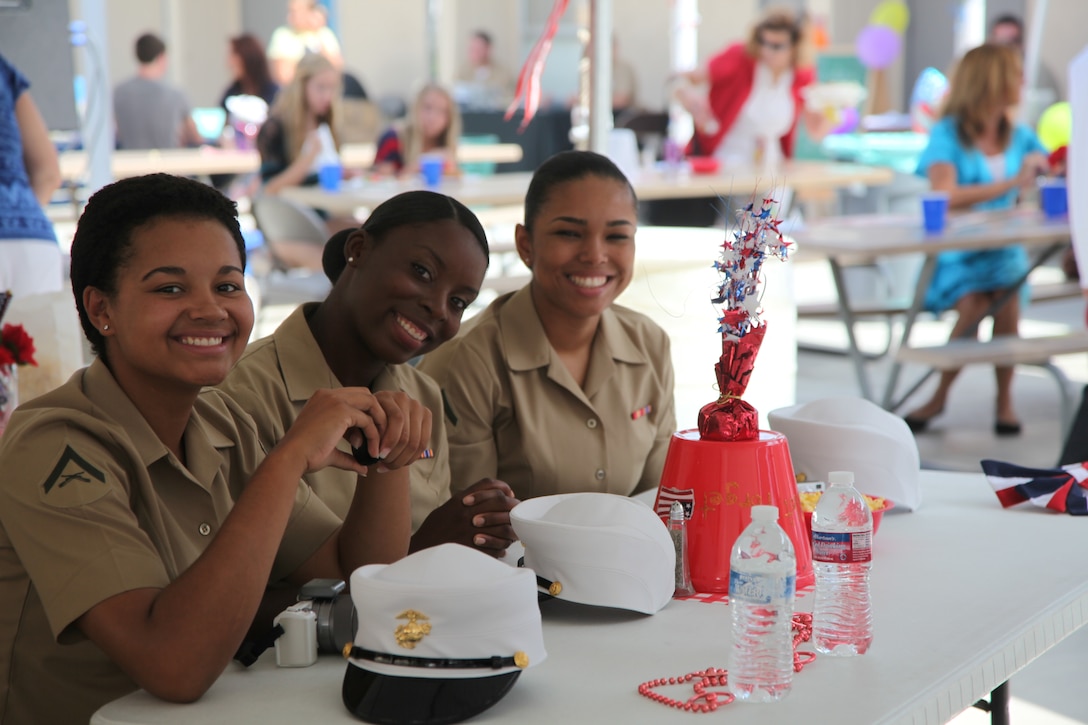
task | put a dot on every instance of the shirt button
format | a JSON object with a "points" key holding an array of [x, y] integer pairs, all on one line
{"points": [[204, 529], [591, 423], [599, 474]]}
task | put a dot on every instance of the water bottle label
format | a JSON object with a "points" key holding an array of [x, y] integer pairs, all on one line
{"points": [[842, 548], [760, 588]]}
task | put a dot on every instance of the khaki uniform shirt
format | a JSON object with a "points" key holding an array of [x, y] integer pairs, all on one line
{"points": [[516, 413], [279, 373], [92, 504]]}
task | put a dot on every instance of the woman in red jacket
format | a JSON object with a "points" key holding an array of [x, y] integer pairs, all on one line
{"points": [[754, 101]]}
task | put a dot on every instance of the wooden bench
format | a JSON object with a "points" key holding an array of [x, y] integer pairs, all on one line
{"points": [[1007, 351]]}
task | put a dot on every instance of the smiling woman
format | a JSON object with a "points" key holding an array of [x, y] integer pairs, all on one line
{"points": [[140, 507], [400, 286], [555, 389]]}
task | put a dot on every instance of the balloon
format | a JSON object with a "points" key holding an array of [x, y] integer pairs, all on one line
{"points": [[849, 121], [1056, 126], [892, 14], [877, 46], [925, 99]]}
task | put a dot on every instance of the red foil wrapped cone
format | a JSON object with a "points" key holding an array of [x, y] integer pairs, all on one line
{"points": [[729, 418]]}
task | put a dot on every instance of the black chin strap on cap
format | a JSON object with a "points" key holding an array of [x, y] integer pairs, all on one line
{"points": [[550, 588], [519, 659]]}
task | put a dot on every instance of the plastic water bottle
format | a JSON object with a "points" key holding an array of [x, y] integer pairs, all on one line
{"points": [[762, 576], [842, 543]]}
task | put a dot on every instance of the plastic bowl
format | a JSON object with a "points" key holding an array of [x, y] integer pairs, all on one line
{"points": [[878, 515], [703, 164]]}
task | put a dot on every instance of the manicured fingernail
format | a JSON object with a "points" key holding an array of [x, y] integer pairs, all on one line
{"points": [[468, 500], [381, 469], [478, 521], [479, 541], [385, 452]]}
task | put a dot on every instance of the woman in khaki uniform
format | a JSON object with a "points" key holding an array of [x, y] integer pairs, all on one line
{"points": [[555, 389], [400, 286], [140, 518]]}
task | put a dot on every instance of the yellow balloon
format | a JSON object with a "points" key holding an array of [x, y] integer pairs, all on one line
{"points": [[892, 14], [1056, 126]]}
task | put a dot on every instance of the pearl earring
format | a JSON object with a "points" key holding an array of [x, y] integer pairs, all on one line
{"points": [[351, 259], [105, 327]]}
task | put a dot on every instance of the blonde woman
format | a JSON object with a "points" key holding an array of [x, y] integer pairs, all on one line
{"points": [[302, 122], [982, 159], [433, 127]]}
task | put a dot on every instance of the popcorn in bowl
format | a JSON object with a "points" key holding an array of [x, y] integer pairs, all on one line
{"points": [[810, 496]]}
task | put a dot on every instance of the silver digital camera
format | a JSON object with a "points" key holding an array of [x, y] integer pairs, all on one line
{"points": [[322, 621]]}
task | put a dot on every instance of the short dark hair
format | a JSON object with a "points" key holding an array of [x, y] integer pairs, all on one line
{"points": [[149, 47], [484, 36], [568, 166], [1008, 19], [103, 238], [411, 207]]}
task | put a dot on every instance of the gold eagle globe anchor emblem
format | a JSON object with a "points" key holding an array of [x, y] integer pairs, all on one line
{"points": [[410, 634]]}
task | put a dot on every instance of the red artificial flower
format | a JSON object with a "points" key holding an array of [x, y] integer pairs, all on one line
{"points": [[16, 346]]}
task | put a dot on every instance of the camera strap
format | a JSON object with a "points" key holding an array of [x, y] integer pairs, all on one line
{"points": [[250, 650]]}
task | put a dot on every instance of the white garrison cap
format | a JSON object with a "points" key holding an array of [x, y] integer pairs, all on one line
{"points": [[599, 549], [853, 434]]}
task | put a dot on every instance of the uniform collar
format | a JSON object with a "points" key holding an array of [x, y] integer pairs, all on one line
{"points": [[102, 390], [301, 360], [303, 364], [527, 346]]}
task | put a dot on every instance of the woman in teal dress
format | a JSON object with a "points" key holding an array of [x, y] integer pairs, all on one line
{"points": [[982, 159]]}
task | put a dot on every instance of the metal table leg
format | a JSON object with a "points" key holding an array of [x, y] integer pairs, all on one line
{"points": [[846, 313], [920, 288], [997, 705]]}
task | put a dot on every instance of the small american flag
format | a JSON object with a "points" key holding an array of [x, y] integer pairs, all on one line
{"points": [[665, 497]]}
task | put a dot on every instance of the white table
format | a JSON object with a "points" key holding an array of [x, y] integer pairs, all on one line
{"points": [[208, 160], [965, 594], [509, 189], [844, 239]]}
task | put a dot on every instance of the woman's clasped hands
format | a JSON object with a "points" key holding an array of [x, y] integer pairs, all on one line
{"points": [[390, 426]]}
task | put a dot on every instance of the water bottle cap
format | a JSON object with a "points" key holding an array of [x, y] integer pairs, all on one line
{"points": [[845, 478], [764, 513]]}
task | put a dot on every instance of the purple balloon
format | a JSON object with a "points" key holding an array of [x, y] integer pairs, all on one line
{"points": [[849, 121], [877, 46]]}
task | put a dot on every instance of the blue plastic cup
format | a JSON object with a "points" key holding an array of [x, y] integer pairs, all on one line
{"points": [[1053, 198], [934, 211], [431, 169], [329, 176]]}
